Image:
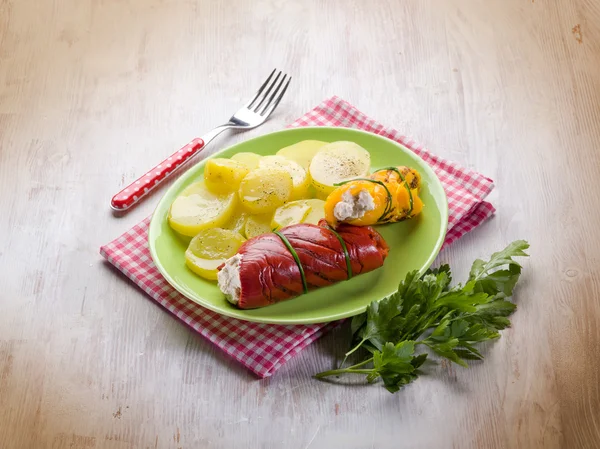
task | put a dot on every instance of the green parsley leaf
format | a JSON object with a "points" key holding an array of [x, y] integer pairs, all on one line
{"points": [[463, 302], [504, 257], [426, 310], [446, 349], [487, 276], [454, 338], [493, 314], [358, 321], [445, 268], [394, 365], [381, 325]]}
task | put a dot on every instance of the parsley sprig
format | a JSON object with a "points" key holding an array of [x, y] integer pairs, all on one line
{"points": [[426, 311]]}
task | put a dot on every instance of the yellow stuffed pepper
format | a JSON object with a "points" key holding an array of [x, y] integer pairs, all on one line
{"points": [[387, 196]]}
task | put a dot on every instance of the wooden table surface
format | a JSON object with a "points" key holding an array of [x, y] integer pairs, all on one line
{"points": [[94, 92]]}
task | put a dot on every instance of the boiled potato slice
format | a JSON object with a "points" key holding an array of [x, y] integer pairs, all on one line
{"points": [[317, 211], [302, 152], [321, 195], [258, 225], [337, 162], [197, 208], [290, 213], [265, 189], [301, 211], [314, 193], [299, 176], [237, 222], [250, 160], [211, 248], [224, 175]]}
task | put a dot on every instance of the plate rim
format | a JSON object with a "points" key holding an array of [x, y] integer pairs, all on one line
{"points": [[155, 223]]}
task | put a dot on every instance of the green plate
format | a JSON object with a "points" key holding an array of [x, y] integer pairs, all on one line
{"points": [[414, 243]]}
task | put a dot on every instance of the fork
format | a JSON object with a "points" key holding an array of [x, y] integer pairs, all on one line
{"points": [[252, 114]]}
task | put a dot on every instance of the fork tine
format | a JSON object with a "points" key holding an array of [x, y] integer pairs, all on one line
{"points": [[270, 109], [259, 91], [264, 96], [273, 95]]}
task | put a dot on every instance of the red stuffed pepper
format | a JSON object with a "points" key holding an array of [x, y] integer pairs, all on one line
{"points": [[274, 267]]}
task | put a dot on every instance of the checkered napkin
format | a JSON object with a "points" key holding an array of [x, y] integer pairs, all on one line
{"points": [[264, 348]]}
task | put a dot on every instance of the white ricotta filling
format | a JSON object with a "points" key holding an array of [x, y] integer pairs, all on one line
{"points": [[229, 279], [353, 207]]}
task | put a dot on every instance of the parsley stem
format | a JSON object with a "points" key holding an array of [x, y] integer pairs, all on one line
{"points": [[363, 363], [355, 348], [351, 369], [417, 330], [432, 321], [335, 372]]}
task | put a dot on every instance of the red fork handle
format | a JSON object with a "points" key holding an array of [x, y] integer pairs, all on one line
{"points": [[135, 191]]}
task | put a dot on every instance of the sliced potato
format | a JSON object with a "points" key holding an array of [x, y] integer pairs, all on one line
{"points": [[337, 162], [237, 222], [314, 193], [321, 195], [250, 160], [301, 211], [290, 213], [302, 152], [300, 177], [211, 248], [224, 175], [265, 189], [197, 208], [258, 225], [317, 211]]}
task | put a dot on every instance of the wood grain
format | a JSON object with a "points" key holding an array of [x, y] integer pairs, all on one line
{"points": [[94, 92]]}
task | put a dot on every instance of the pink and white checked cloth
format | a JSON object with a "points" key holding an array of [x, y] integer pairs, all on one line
{"points": [[264, 348]]}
